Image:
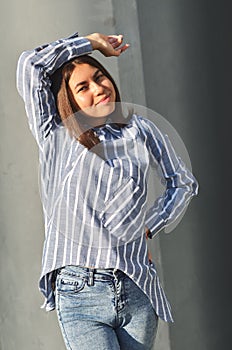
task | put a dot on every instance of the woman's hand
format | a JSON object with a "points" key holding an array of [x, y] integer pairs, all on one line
{"points": [[108, 45], [147, 232]]}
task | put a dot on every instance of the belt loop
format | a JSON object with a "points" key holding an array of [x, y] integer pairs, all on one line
{"points": [[91, 277]]}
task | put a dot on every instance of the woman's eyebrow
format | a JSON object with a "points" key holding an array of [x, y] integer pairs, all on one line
{"points": [[84, 82], [96, 73], [78, 84]]}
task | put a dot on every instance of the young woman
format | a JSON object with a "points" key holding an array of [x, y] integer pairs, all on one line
{"points": [[96, 269]]}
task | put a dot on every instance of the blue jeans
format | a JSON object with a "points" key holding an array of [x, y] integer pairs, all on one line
{"points": [[103, 310]]}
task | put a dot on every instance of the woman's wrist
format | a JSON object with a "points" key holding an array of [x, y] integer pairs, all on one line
{"points": [[147, 232], [94, 40]]}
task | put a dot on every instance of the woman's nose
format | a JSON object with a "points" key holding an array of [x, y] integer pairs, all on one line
{"points": [[97, 88]]}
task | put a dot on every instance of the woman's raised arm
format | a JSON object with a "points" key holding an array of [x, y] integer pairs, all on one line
{"points": [[34, 72]]}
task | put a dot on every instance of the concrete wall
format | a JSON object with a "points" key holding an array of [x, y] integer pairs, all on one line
{"points": [[186, 52]]}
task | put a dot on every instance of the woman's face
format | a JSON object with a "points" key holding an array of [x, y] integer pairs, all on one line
{"points": [[93, 92]]}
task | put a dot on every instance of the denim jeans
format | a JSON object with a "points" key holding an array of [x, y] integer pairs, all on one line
{"points": [[103, 310]]}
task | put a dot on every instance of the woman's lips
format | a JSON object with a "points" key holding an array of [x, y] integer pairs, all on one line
{"points": [[104, 100]]}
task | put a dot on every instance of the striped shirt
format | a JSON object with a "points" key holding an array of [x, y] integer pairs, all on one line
{"points": [[95, 201]]}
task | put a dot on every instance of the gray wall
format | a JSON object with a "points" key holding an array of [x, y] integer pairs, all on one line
{"points": [[186, 51], [186, 79]]}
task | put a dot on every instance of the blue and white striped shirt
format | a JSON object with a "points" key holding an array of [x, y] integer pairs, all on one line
{"points": [[95, 201]]}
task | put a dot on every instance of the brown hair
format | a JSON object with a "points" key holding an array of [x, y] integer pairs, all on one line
{"points": [[67, 106]]}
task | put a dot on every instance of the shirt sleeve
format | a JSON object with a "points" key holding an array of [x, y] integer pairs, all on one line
{"points": [[34, 72], [180, 184]]}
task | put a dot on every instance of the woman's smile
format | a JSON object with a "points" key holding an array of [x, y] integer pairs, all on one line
{"points": [[104, 100]]}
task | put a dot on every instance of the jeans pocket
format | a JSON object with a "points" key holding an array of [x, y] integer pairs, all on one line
{"points": [[69, 285]]}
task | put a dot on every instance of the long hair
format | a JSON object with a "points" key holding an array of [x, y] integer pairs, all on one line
{"points": [[67, 106]]}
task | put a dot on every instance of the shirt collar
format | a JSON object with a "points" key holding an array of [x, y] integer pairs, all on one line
{"points": [[129, 131]]}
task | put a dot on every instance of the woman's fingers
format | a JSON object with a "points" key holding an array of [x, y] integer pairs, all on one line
{"points": [[123, 48], [115, 38], [116, 42]]}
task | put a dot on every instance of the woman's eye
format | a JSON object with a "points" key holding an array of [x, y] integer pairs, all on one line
{"points": [[99, 77], [84, 87]]}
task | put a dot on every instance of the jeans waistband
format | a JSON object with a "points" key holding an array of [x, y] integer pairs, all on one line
{"points": [[92, 274]]}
